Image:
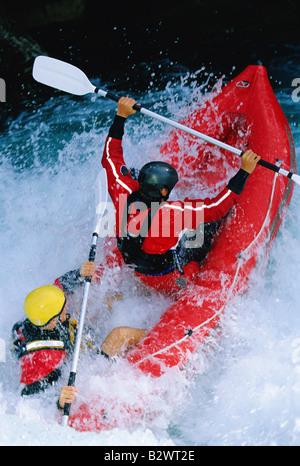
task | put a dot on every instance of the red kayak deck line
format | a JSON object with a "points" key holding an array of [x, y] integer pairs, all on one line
{"points": [[245, 114]]}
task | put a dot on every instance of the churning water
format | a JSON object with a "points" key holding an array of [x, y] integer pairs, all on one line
{"points": [[245, 391]]}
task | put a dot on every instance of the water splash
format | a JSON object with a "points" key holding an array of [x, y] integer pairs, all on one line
{"points": [[245, 389]]}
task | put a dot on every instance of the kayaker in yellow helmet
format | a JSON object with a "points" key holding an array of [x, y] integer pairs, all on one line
{"points": [[44, 339]]}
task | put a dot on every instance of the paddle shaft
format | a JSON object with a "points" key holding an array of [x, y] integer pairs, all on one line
{"points": [[87, 284], [101, 207], [234, 150], [163, 119]]}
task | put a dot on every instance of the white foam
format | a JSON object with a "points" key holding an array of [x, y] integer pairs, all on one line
{"points": [[245, 390]]}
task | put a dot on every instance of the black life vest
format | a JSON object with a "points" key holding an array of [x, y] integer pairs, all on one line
{"points": [[158, 264], [28, 338]]}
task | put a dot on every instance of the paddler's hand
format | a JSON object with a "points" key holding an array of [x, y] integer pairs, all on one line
{"points": [[67, 395], [88, 269], [249, 161], [125, 105]]}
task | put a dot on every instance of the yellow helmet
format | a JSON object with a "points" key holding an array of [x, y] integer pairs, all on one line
{"points": [[43, 304]]}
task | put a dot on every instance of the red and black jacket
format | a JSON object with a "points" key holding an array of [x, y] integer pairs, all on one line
{"points": [[42, 352], [157, 253]]}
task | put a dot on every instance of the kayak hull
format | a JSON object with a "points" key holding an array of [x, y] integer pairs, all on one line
{"points": [[245, 114]]}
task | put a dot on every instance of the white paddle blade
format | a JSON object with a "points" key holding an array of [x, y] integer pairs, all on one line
{"points": [[60, 75], [296, 178]]}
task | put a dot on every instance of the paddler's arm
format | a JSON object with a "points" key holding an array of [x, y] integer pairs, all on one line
{"points": [[249, 162], [75, 278], [67, 395], [125, 105], [125, 109], [119, 179], [120, 339]]}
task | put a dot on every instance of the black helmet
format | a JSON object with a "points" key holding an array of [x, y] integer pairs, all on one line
{"points": [[154, 176]]}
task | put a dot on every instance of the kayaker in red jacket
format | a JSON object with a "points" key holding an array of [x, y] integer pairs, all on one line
{"points": [[150, 229]]}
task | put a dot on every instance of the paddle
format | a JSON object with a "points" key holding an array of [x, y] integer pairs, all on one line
{"points": [[66, 77], [101, 200]]}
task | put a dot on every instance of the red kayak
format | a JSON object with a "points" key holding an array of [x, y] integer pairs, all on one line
{"points": [[244, 114]]}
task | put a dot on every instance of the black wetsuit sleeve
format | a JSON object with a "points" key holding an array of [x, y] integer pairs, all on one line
{"points": [[238, 181], [117, 128], [70, 281], [18, 345]]}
